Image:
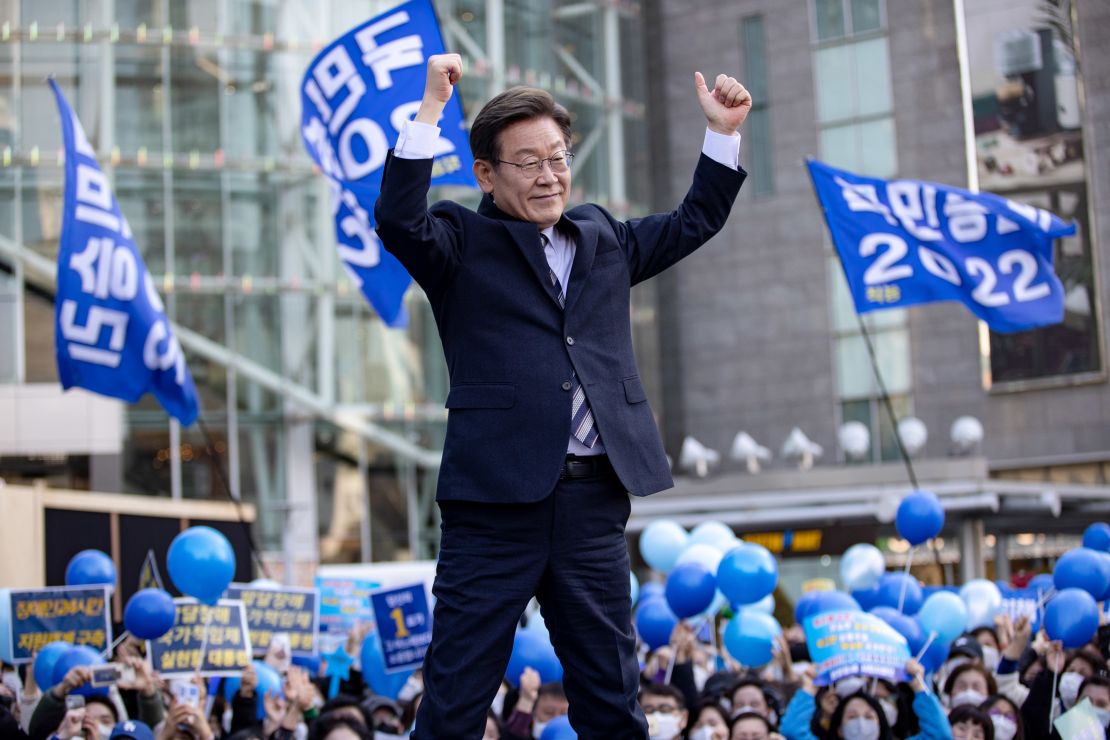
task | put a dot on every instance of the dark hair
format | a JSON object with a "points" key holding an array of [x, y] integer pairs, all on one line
{"points": [[992, 685], [551, 688], [702, 707], [752, 715], [995, 700], [838, 716], [103, 701], [325, 723], [1097, 680], [989, 630], [342, 701], [515, 104], [975, 715], [769, 696], [1091, 658], [663, 689]]}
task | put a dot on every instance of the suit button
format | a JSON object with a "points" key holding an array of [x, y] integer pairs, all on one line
{"points": [[566, 385], [570, 340]]}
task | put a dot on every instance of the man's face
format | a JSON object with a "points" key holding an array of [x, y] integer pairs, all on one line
{"points": [[540, 198], [548, 707], [749, 698], [658, 709], [1099, 696], [98, 721]]}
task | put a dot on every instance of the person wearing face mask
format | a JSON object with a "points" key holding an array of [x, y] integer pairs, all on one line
{"points": [[970, 723], [1097, 690], [971, 684], [753, 695], [1038, 707], [537, 706], [1016, 654], [1083, 664], [751, 726], [861, 716], [988, 641], [708, 721], [1005, 715], [665, 710]]}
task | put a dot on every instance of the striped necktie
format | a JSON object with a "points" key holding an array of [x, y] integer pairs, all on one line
{"points": [[581, 417]]}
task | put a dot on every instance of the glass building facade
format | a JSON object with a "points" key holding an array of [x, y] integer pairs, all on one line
{"points": [[193, 108]]}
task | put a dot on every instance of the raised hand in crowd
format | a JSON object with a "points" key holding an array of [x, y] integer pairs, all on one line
{"points": [[144, 682], [299, 694], [275, 709], [683, 640], [76, 678], [356, 637], [185, 721], [529, 691], [72, 724], [1021, 633], [249, 681], [916, 673]]}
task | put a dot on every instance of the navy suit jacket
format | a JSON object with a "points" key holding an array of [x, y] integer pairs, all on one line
{"points": [[511, 349]]}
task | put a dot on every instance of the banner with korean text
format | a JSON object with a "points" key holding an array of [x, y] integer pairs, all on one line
{"points": [[211, 640], [111, 334], [355, 97], [79, 615], [907, 242], [854, 643], [288, 610]]}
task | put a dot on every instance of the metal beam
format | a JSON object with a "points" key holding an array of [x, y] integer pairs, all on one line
{"points": [[45, 271]]}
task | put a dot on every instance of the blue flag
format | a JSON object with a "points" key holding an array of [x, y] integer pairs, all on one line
{"points": [[355, 97], [111, 334], [905, 242]]}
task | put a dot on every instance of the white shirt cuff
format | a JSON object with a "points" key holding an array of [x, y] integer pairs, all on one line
{"points": [[722, 149], [416, 141]]}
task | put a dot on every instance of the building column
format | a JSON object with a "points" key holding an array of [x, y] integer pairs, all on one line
{"points": [[971, 550], [300, 548], [1002, 557]]}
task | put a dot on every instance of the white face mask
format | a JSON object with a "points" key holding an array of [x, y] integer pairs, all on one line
{"points": [[663, 726], [413, 686], [538, 728], [1069, 687], [860, 728], [972, 697], [744, 709], [104, 731], [1103, 716], [11, 680], [702, 733], [890, 709], [701, 675], [1004, 727], [991, 658]]}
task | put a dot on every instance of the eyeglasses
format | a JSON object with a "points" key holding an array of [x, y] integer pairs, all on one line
{"points": [[559, 162]]}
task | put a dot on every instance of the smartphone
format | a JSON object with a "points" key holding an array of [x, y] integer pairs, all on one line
{"points": [[74, 701], [110, 674], [186, 692]]}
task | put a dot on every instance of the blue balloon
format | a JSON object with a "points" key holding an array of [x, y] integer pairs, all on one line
{"points": [[1082, 568], [201, 563], [890, 591], [150, 613], [654, 622], [532, 649], [819, 602], [690, 589], [651, 590], [935, 656], [1041, 583], [559, 729], [373, 669], [1071, 617], [747, 573], [920, 517], [750, 637], [311, 663], [633, 586], [661, 543], [944, 614], [868, 598], [45, 660], [80, 655], [269, 682], [1097, 536], [907, 627], [91, 568]]}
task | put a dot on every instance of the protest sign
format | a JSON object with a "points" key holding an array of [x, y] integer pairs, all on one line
{"points": [[1080, 723], [404, 626], [79, 615], [218, 633], [854, 643], [343, 603], [289, 610]]}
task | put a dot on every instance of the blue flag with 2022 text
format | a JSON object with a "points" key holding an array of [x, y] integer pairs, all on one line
{"points": [[355, 97], [906, 242], [111, 334]]}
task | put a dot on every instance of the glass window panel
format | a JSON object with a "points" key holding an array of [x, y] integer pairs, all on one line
{"points": [[139, 99], [865, 16], [9, 12], [830, 19], [204, 314], [76, 69], [840, 147], [52, 12], [252, 17], [133, 13], [38, 338], [252, 226], [888, 444], [760, 164], [251, 97], [853, 368], [262, 478], [878, 153], [258, 329], [859, 411], [9, 302], [855, 376], [142, 200], [872, 75], [203, 15], [195, 100], [42, 195], [836, 94], [755, 58], [146, 456], [196, 222]]}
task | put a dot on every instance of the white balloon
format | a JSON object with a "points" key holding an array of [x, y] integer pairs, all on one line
{"points": [[886, 508], [967, 431], [913, 433], [765, 605], [855, 439], [983, 600], [861, 567], [708, 556], [711, 533]]}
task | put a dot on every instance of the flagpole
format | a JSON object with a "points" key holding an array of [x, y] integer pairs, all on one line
{"points": [[218, 466]]}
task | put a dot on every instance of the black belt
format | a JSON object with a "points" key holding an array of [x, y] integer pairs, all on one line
{"points": [[590, 466]]}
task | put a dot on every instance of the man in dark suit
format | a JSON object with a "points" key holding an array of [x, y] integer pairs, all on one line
{"points": [[549, 427]]}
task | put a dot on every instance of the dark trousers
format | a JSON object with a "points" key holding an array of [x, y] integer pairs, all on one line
{"points": [[570, 552]]}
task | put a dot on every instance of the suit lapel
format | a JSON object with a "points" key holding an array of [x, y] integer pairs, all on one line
{"points": [[585, 249], [527, 239]]}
